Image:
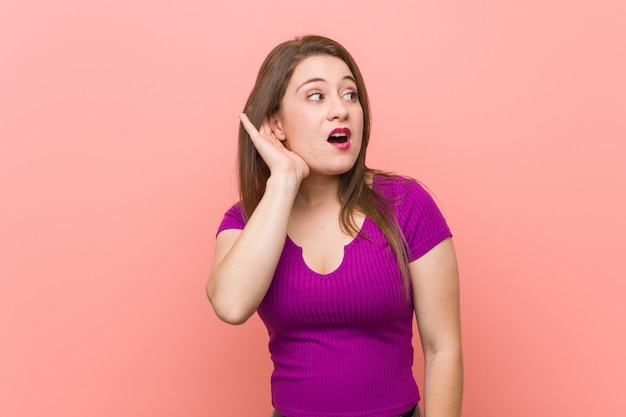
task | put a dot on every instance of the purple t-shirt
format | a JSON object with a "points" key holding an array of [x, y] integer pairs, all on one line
{"points": [[341, 342]]}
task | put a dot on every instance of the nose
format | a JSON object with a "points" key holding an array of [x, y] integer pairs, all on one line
{"points": [[338, 109]]}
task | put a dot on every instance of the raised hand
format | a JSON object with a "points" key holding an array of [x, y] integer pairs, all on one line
{"points": [[279, 159]]}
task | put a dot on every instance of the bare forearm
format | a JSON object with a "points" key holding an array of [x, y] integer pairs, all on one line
{"points": [[443, 389], [240, 280]]}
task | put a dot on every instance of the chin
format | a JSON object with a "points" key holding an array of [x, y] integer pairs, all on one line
{"points": [[337, 170], [334, 166]]}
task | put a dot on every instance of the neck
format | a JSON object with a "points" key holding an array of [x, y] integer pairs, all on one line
{"points": [[318, 190]]}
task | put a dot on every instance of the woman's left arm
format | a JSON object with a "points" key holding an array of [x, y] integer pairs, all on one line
{"points": [[435, 281]]}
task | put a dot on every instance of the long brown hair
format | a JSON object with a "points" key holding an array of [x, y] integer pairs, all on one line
{"points": [[354, 191]]}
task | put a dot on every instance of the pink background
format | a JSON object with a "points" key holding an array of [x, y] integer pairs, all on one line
{"points": [[118, 129]]}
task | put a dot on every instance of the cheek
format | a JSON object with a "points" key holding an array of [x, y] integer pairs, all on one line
{"points": [[360, 119], [360, 132], [298, 124]]}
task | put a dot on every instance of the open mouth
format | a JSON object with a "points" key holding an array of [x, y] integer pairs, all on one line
{"points": [[340, 135]]}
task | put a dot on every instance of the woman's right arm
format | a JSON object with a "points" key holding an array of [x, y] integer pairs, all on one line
{"points": [[245, 260]]}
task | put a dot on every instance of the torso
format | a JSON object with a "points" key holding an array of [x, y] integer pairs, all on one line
{"points": [[319, 234]]}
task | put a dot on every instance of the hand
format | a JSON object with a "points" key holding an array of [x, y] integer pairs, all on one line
{"points": [[279, 159]]}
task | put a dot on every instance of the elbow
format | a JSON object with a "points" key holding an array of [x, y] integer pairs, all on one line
{"points": [[228, 312], [450, 344], [452, 353], [231, 316], [230, 306], [447, 346]]}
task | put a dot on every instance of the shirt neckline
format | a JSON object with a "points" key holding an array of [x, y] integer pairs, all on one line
{"points": [[347, 247]]}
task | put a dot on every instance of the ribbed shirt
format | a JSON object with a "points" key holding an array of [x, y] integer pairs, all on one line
{"points": [[341, 343]]}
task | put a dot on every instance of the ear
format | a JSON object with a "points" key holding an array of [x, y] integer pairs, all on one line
{"points": [[276, 126]]}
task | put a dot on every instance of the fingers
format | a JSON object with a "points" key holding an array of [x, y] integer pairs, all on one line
{"points": [[262, 138], [254, 133], [276, 154], [247, 124], [266, 130]]}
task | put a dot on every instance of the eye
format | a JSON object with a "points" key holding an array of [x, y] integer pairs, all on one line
{"points": [[315, 96], [351, 96]]}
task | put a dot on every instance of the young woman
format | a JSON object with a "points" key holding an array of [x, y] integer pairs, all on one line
{"points": [[335, 257]]}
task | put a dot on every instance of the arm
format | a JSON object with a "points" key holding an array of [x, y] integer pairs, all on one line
{"points": [[435, 282], [245, 260]]}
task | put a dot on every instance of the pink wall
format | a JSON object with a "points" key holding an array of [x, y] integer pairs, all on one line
{"points": [[117, 121]]}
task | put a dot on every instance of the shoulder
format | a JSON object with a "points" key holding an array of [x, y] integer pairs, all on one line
{"points": [[416, 212], [233, 218], [397, 188], [411, 201], [404, 196]]}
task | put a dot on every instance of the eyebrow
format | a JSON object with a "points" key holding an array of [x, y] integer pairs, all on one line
{"points": [[312, 80]]}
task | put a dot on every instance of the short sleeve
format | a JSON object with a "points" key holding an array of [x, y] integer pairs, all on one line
{"points": [[420, 219], [233, 219]]}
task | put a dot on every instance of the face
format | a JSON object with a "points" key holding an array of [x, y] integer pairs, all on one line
{"points": [[321, 118]]}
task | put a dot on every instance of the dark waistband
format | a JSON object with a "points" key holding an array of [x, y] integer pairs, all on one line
{"points": [[409, 413]]}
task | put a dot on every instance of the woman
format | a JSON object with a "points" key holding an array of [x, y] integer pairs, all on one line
{"points": [[334, 256]]}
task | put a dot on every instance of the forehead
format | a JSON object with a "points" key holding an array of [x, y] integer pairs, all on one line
{"points": [[325, 67]]}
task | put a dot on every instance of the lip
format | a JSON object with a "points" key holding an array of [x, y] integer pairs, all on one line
{"points": [[341, 145], [341, 130]]}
